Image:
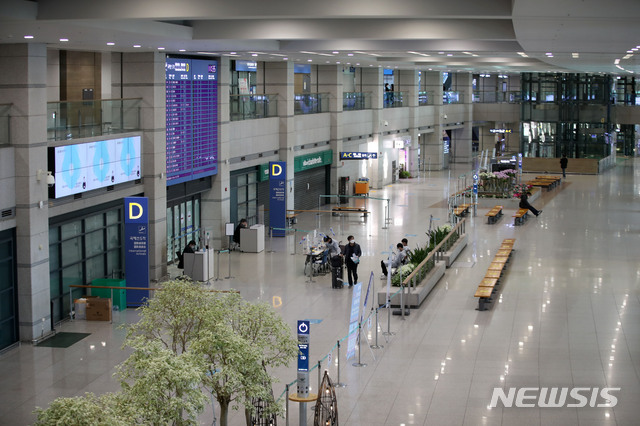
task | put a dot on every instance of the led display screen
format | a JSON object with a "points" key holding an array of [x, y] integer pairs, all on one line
{"points": [[83, 167]]}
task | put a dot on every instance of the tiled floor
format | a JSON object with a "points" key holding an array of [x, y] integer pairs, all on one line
{"points": [[568, 315]]}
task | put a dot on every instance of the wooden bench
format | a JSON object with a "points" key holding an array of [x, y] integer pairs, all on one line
{"points": [[520, 216], [555, 181], [337, 210], [490, 282], [494, 214], [461, 210]]}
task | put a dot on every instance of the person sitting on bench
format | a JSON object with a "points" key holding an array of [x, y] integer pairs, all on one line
{"points": [[524, 204], [407, 251], [190, 248], [395, 263]]}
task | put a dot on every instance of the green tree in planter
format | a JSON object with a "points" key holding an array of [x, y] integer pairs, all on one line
{"points": [[163, 387], [109, 409], [240, 349]]}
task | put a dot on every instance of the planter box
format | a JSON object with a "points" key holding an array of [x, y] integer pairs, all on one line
{"points": [[457, 248], [416, 296]]}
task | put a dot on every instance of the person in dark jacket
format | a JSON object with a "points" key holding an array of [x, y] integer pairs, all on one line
{"points": [[236, 234], [524, 204], [352, 253], [563, 165], [190, 248]]}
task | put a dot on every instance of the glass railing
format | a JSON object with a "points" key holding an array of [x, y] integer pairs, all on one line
{"points": [[425, 98], [452, 98], [5, 133], [355, 101], [311, 103], [82, 119], [394, 99], [496, 97], [250, 107]]}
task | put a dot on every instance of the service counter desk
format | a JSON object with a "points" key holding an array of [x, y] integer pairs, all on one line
{"points": [[252, 239], [199, 265]]}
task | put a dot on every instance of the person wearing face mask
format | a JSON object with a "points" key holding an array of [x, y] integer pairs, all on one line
{"points": [[352, 253]]}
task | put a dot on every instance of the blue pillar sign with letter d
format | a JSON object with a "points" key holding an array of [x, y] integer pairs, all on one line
{"points": [[303, 359], [136, 247], [278, 197]]}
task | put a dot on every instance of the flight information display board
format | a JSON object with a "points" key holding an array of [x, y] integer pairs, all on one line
{"points": [[192, 119]]}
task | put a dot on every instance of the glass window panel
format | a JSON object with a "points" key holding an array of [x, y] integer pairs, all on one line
{"points": [[54, 257], [252, 192], [53, 234], [6, 305], [6, 275], [95, 268], [114, 267], [242, 194], [242, 180], [113, 216], [113, 237], [170, 251], [93, 222], [196, 214], [251, 177], [252, 210], [189, 206], [54, 284], [71, 251], [6, 249], [7, 333], [72, 229], [71, 275], [94, 243]]}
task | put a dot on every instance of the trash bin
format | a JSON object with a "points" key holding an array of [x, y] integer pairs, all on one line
{"points": [[119, 296], [336, 272]]}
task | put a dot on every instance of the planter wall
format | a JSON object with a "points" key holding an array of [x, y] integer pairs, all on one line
{"points": [[457, 248], [416, 296], [507, 203]]}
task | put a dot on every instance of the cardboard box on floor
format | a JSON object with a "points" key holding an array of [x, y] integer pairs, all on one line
{"points": [[98, 309]]}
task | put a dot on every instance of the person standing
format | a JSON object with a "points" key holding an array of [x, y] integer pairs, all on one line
{"points": [[352, 253], [563, 165], [524, 204]]}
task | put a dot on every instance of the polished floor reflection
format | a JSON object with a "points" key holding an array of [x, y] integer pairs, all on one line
{"points": [[568, 314]]}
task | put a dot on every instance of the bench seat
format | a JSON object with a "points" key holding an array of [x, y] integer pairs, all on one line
{"points": [[494, 214]]}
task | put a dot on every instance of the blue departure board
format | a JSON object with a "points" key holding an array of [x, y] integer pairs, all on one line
{"points": [[192, 119]]}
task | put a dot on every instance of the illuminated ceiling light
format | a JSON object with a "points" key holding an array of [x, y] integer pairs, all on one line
{"points": [[440, 53], [467, 53], [309, 60], [617, 61], [160, 48], [349, 54], [449, 54], [629, 51], [337, 62], [575, 55], [28, 36], [254, 54], [64, 39], [136, 46], [232, 53], [335, 52], [358, 63], [285, 59], [110, 43]]}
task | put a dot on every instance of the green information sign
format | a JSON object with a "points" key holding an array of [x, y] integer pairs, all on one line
{"points": [[310, 161]]}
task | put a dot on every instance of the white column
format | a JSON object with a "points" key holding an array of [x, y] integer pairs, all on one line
{"points": [[330, 80], [372, 82]]}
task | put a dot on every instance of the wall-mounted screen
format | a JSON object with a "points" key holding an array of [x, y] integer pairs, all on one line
{"points": [[301, 69], [247, 66], [192, 119], [83, 167]]}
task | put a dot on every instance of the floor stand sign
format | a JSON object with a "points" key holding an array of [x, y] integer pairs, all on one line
{"points": [[303, 396], [278, 198], [136, 244]]}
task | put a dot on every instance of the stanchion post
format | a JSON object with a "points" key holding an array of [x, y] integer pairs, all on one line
{"points": [[286, 406], [319, 375], [359, 363], [229, 277], [218, 265], [295, 239], [339, 384], [376, 346], [270, 240], [402, 301]]}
